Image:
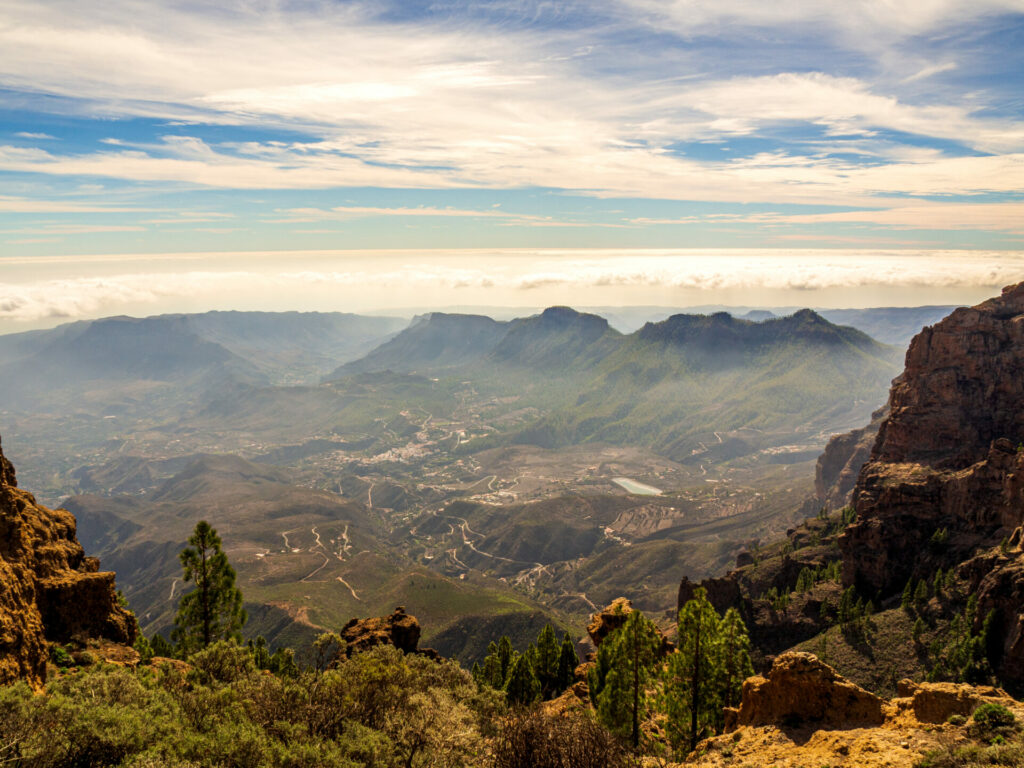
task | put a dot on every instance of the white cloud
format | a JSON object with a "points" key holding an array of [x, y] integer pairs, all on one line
{"points": [[33, 135], [865, 23], [930, 70], [346, 212], [443, 106], [365, 279], [844, 105]]}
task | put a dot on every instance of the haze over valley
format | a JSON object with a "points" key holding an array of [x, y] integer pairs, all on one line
{"points": [[475, 470]]}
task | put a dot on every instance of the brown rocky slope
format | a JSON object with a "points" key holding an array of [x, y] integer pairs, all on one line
{"points": [[944, 486], [49, 590]]}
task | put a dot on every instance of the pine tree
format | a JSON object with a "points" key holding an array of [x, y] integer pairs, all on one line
{"points": [[161, 647], [259, 651], [213, 610], [568, 660], [908, 595], [625, 661], [692, 683], [921, 595], [847, 606], [735, 665], [805, 581], [547, 662], [522, 687], [144, 647], [497, 663], [505, 655], [282, 662]]}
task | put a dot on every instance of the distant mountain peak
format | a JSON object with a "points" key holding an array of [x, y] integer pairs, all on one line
{"points": [[564, 316], [809, 315]]}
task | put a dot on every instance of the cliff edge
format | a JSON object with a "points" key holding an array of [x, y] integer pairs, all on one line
{"points": [[49, 590], [944, 486]]}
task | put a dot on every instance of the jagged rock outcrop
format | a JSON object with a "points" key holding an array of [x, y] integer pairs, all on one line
{"points": [[839, 465], [610, 618], [948, 458], [49, 590], [399, 629], [800, 688]]}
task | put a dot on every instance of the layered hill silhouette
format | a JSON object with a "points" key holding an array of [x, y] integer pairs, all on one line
{"points": [[675, 385], [216, 349]]}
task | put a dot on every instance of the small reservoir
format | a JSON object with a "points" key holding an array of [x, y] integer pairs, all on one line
{"points": [[632, 486]]}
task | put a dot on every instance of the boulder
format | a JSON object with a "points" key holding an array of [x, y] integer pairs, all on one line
{"points": [[614, 616], [800, 689], [936, 702]]}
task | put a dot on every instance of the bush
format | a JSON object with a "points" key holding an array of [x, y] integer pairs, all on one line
{"points": [[381, 708], [992, 722], [992, 716], [530, 738], [221, 662], [59, 655]]}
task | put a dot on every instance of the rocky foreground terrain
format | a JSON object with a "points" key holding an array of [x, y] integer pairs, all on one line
{"points": [[802, 713]]}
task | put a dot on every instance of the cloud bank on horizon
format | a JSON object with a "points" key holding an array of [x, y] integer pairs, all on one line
{"points": [[130, 127], [407, 282]]}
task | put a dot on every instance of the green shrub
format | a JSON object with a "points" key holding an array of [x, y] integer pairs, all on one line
{"points": [[221, 662], [60, 656], [991, 715]]}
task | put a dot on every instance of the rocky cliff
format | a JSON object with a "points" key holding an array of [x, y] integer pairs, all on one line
{"points": [[49, 590], [839, 465], [944, 487]]}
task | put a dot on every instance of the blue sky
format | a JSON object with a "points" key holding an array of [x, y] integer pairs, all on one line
{"points": [[133, 128]]}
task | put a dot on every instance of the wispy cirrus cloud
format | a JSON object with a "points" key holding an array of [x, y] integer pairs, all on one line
{"points": [[842, 105], [1006, 217]]}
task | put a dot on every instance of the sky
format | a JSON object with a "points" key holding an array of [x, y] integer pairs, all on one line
{"points": [[165, 156]]}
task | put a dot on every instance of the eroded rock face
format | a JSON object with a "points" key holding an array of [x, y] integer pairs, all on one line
{"points": [[936, 702], [800, 689], [962, 388], [845, 726], [610, 618], [399, 629], [49, 589], [839, 465], [947, 457]]}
